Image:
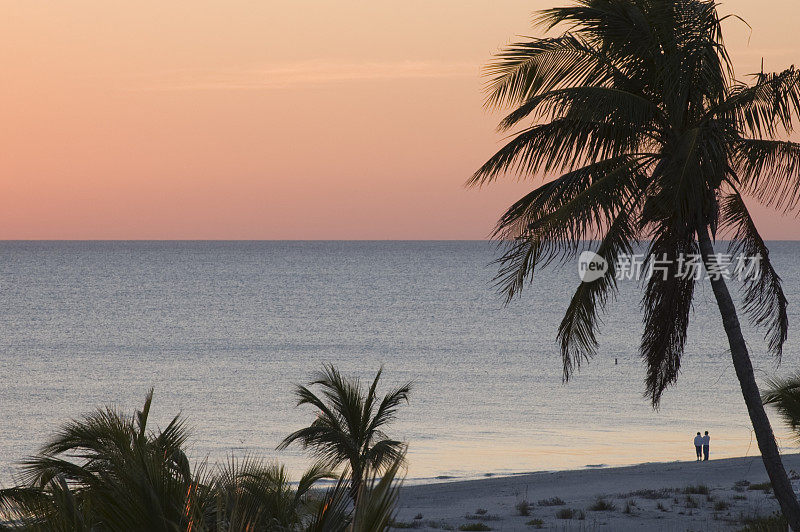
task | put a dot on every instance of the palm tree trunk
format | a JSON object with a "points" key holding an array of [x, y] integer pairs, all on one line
{"points": [[752, 397]]}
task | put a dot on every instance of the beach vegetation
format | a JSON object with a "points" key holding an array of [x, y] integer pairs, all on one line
{"points": [[660, 506], [112, 471], [565, 513], [535, 523], [771, 523], [766, 487], [700, 489], [650, 494], [552, 501], [631, 114], [602, 505], [475, 526], [784, 395], [349, 423], [482, 517], [721, 506], [524, 508]]}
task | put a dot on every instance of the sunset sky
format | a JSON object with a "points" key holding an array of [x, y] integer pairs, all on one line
{"points": [[293, 119]]}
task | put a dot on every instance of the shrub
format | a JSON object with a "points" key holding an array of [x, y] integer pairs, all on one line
{"points": [[773, 523], [602, 505], [766, 487], [700, 489], [552, 501], [720, 506], [524, 508], [565, 513], [403, 524], [535, 523], [664, 493], [475, 527]]}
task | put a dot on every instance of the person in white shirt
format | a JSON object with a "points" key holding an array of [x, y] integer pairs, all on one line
{"points": [[698, 446], [706, 441]]}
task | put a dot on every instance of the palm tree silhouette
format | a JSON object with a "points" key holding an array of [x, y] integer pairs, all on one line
{"points": [[349, 426], [784, 395], [111, 471], [636, 106]]}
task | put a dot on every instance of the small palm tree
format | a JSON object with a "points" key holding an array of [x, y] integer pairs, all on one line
{"points": [[784, 395], [374, 511], [349, 425], [110, 471], [634, 105], [251, 494]]}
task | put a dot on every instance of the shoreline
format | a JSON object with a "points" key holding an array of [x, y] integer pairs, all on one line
{"points": [[648, 496]]}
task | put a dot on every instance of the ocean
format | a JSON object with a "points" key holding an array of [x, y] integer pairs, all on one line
{"points": [[224, 330]]}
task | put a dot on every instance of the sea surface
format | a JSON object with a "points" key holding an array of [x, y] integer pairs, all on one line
{"points": [[224, 331]]}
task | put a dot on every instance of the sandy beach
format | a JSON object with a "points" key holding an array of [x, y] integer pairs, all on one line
{"points": [[651, 496]]}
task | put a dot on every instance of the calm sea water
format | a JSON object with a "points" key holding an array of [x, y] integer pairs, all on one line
{"points": [[223, 330]]}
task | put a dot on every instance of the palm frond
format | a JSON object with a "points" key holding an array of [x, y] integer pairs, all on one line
{"points": [[784, 395], [577, 332], [556, 230], [523, 70], [666, 306], [767, 107], [769, 171], [764, 301]]}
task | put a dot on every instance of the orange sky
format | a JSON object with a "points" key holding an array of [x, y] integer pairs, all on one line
{"points": [[293, 119]]}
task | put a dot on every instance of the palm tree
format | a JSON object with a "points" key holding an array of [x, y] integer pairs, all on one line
{"points": [[375, 509], [251, 494], [349, 425], [110, 471], [635, 106], [784, 395]]}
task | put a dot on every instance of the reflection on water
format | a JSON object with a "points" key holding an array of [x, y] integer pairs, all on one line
{"points": [[223, 329]]}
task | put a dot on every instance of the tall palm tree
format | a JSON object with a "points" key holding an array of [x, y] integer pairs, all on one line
{"points": [[349, 425], [634, 104]]}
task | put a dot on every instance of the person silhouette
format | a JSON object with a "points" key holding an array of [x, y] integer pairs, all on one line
{"points": [[698, 446], [706, 441]]}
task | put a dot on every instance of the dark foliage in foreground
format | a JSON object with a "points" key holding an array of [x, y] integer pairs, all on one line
{"points": [[112, 472]]}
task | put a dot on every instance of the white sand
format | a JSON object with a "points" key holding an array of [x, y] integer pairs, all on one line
{"points": [[456, 503]]}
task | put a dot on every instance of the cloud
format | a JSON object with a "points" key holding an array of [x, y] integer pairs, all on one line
{"points": [[311, 73]]}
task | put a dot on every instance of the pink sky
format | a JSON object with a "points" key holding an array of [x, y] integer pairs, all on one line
{"points": [[292, 119]]}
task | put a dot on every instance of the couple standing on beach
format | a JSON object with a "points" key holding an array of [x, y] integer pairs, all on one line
{"points": [[701, 446]]}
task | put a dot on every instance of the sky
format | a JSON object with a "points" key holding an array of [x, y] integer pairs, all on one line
{"points": [[295, 119]]}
